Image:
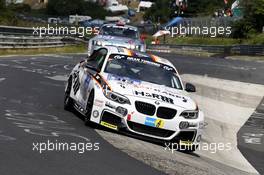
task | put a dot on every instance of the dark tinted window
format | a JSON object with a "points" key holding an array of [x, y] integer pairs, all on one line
{"points": [[97, 59]]}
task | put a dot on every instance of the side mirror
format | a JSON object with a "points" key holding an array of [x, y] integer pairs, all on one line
{"points": [[90, 67], [190, 87]]}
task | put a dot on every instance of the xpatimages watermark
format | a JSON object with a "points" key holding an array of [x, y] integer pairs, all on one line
{"points": [[194, 30], [65, 30], [49, 146], [210, 147]]}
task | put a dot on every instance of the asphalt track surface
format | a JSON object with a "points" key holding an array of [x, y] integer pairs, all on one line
{"points": [[31, 110]]}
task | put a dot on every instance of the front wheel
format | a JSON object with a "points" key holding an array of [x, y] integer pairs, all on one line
{"points": [[68, 102], [89, 108]]}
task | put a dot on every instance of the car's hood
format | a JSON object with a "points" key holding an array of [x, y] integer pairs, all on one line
{"points": [[107, 39], [155, 92]]}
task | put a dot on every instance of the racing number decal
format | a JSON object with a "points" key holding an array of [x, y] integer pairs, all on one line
{"points": [[76, 82]]}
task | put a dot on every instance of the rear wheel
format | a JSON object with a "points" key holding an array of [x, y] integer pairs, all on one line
{"points": [[68, 101], [89, 108]]}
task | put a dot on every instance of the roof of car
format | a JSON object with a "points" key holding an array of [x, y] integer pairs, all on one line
{"points": [[142, 55], [122, 25]]}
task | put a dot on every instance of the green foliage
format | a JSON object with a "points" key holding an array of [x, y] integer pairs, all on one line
{"points": [[7, 16], [253, 20], [20, 8], [242, 29], [2, 4], [254, 39], [162, 10], [159, 12], [80, 48], [254, 13], [80, 7], [204, 7]]}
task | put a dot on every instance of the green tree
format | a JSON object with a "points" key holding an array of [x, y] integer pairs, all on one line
{"points": [[64, 7], [80, 7], [253, 13], [204, 7], [159, 12], [163, 9], [2, 4], [252, 21]]}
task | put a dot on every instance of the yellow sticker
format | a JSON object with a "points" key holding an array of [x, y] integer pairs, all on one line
{"points": [[159, 123], [108, 125], [188, 143]]}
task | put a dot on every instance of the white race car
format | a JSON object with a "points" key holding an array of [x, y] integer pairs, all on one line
{"points": [[128, 90], [119, 35]]}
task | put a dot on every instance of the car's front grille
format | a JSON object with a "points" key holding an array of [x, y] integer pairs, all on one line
{"points": [[149, 130], [166, 113], [145, 108]]}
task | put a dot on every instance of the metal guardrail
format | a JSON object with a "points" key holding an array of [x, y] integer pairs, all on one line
{"points": [[22, 37], [19, 37], [10, 42], [226, 50], [27, 31]]}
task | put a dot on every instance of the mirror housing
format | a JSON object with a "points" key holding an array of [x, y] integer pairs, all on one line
{"points": [[87, 66], [190, 87]]}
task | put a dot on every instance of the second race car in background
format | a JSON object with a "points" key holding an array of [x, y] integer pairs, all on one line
{"points": [[120, 35]]}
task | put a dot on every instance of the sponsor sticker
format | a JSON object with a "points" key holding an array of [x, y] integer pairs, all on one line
{"points": [[187, 143], [108, 125], [87, 81], [99, 103], [158, 123], [154, 96], [123, 79]]}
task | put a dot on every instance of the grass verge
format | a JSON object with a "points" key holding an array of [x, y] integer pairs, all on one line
{"points": [[81, 48], [253, 40]]}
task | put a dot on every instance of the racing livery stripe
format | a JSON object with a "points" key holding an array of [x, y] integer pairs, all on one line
{"points": [[154, 58], [129, 52], [101, 81]]}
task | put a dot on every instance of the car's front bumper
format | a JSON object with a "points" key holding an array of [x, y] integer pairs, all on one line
{"points": [[136, 122]]}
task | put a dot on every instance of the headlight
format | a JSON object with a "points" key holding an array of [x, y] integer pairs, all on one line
{"points": [[190, 114], [98, 43], [138, 47], [116, 97], [132, 47]]}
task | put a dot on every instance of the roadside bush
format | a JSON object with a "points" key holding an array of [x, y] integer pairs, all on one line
{"points": [[252, 22], [20, 8], [2, 4], [242, 29]]}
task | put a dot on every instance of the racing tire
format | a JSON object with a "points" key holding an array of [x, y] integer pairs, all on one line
{"points": [[68, 101], [89, 108]]}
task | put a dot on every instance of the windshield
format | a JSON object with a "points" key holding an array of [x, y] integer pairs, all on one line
{"points": [[142, 69], [119, 31]]}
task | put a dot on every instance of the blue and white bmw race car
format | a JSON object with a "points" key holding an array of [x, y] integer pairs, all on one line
{"points": [[123, 89]]}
